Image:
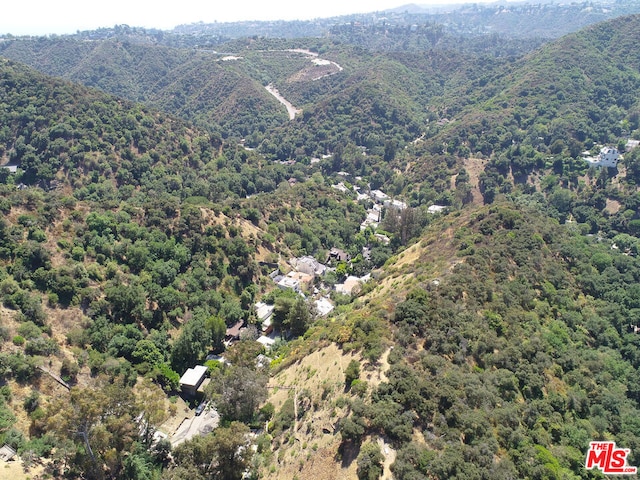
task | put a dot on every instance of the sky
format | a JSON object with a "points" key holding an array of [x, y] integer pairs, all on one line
{"points": [[43, 17]]}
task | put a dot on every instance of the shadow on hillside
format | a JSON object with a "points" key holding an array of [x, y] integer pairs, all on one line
{"points": [[347, 453]]}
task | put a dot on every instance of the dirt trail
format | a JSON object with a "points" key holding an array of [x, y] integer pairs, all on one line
{"points": [[291, 110], [389, 458]]}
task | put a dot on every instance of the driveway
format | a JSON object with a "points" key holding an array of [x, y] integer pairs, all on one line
{"points": [[196, 425]]}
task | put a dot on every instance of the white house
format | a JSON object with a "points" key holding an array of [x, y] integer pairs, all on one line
{"points": [[396, 204], [324, 306], [289, 283], [608, 157], [192, 379], [263, 311], [341, 187], [379, 196], [631, 144], [436, 208]]}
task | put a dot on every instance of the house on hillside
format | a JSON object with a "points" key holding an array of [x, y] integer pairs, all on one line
{"points": [[233, 333], [324, 306], [308, 265], [192, 379], [304, 279], [382, 238], [395, 204], [338, 255], [288, 283], [631, 144], [608, 157], [352, 283], [378, 196], [374, 216], [264, 313], [436, 208], [7, 453], [340, 187]]}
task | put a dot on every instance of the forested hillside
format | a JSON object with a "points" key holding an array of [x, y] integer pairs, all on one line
{"points": [[513, 346], [453, 289]]}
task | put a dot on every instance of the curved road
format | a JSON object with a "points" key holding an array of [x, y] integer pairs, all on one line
{"points": [[293, 111]]}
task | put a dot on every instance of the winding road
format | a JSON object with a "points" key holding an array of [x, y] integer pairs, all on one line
{"points": [[293, 111]]}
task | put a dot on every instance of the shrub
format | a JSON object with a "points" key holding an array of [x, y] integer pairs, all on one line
{"points": [[352, 372]]}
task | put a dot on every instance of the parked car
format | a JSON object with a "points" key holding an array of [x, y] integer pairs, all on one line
{"points": [[200, 408]]}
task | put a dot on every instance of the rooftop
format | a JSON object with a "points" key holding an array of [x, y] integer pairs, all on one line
{"points": [[263, 311], [193, 376]]}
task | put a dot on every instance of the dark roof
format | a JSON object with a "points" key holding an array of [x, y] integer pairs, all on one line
{"points": [[234, 332], [339, 255]]}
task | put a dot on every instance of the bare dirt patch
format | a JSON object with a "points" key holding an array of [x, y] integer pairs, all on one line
{"points": [[16, 470], [379, 375], [613, 206], [312, 450], [322, 369], [178, 413], [474, 167]]}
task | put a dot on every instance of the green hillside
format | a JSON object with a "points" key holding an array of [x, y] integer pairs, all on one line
{"points": [[513, 347], [522, 353], [493, 339], [559, 99]]}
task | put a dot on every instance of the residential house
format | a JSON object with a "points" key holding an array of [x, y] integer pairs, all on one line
{"points": [[266, 341], [382, 238], [378, 196], [373, 218], [285, 283], [338, 255], [308, 265], [631, 144], [341, 187], [435, 208], [395, 204], [608, 157], [7, 453], [324, 306], [304, 279], [233, 333], [264, 313], [351, 283], [192, 379]]}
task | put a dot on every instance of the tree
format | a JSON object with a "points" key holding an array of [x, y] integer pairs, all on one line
{"points": [[128, 302], [6, 417], [218, 329], [370, 462], [238, 391], [299, 317], [150, 403], [232, 451], [225, 454], [99, 419], [191, 345], [281, 307], [352, 372]]}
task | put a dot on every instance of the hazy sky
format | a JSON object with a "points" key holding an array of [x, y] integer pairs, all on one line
{"points": [[39, 17]]}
